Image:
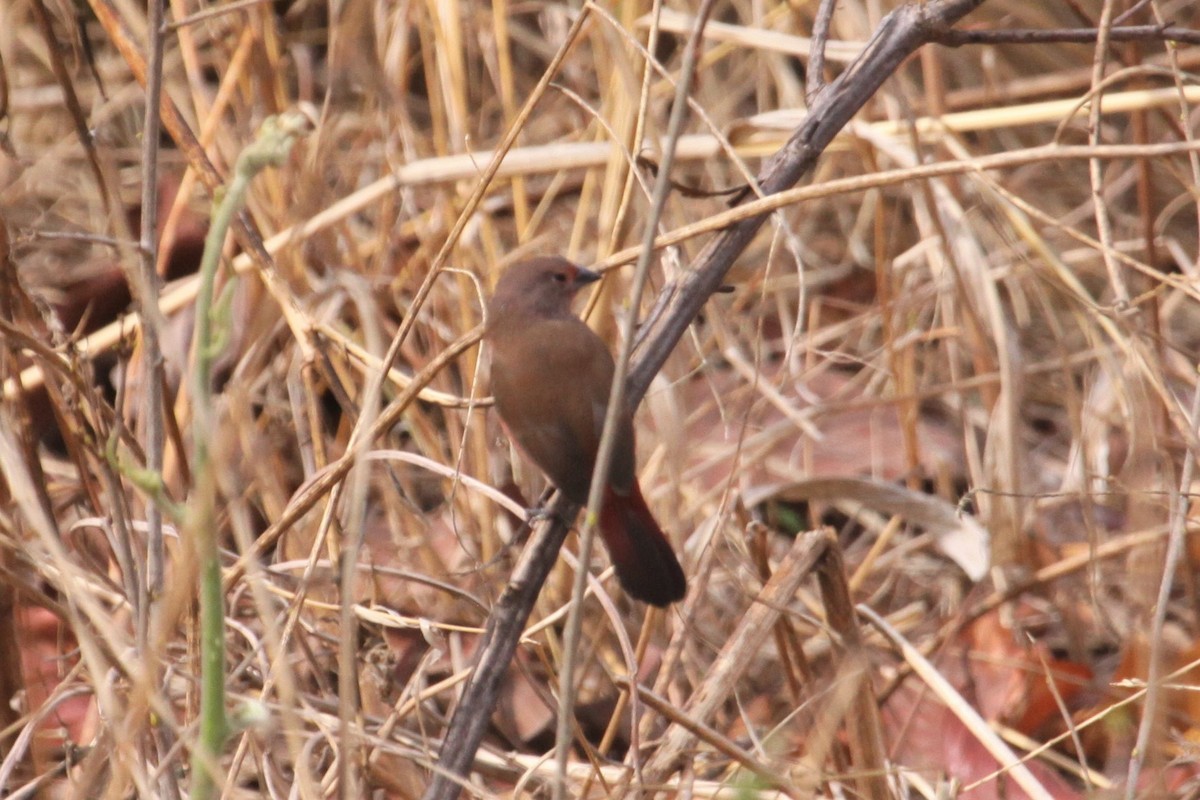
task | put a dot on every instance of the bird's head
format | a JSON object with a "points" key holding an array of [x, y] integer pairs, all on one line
{"points": [[540, 287]]}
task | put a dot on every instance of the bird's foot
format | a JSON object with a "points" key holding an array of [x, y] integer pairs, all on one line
{"points": [[537, 514]]}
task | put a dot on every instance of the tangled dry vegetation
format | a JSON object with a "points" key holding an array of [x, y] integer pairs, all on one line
{"points": [[963, 347]]}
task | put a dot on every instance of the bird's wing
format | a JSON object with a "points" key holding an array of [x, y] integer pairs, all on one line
{"points": [[540, 379], [623, 471]]}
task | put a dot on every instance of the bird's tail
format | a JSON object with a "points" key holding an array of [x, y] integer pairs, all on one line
{"points": [[646, 565]]}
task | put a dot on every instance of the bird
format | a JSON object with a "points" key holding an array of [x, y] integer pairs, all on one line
{"points": [[551, 376]]}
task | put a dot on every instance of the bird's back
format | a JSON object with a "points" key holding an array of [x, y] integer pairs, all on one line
{"points": [[551, 379]]}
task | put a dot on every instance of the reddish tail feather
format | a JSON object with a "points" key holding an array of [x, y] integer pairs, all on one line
{"points": [[646, 564]]}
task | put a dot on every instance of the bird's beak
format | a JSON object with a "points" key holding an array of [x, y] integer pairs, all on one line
{"points": [[585, 276]]}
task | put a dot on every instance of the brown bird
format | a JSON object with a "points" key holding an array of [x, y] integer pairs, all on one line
{"points": [[551, 377]]}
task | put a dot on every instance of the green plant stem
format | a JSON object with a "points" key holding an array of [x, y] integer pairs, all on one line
{"points": [[270, 148]]}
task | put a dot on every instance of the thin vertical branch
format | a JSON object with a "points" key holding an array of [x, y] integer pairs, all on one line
{"points": [[1175, 543], [617, 400], [145, 289], [1095, 171], [816, 59]]}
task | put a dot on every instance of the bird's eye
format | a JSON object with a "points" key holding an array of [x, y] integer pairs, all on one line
{"points": [[561, 277]]}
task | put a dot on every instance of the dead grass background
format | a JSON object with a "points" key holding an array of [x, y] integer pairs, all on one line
{"points": [[977, 335]]}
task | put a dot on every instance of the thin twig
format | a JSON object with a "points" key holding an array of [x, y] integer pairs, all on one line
{"points": [[616, 401], [1099, 207], [74, 107], [1130, 33], [145, 288], [820, 39], [1175, 543]]}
